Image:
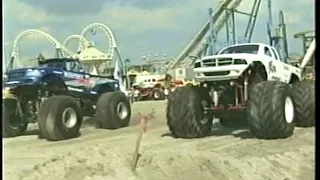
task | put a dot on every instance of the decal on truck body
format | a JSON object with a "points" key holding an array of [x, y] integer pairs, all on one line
{"points": [[272, 68], [275, 78], [72, 75]]}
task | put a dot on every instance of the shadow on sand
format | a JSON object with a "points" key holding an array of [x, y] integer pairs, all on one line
{"points": [[34, 130], [219, 130]]}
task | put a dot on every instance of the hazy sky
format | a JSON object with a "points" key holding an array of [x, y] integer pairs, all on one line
{"points": [[141, 27]]}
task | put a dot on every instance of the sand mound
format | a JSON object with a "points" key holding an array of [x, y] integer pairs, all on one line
{"points": [[103, 163], [95, 163], [210, 165], [105, 154]]}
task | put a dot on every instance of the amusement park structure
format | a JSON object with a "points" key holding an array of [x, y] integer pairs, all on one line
{"points": [[211, 27], [205, 41], [307, 38], [103, 63], [108, 61], [94, 60], [83, 42], [15, 56]]}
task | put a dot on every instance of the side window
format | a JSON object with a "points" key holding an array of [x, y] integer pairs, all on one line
{"points": [[275, 54], [267, 51], [68, 66], [77, 67], [73, 66]]}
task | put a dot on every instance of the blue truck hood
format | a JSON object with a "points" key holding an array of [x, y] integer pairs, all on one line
{"points": [[18, 76], [21, 77], [22, 71], [43, 69]]}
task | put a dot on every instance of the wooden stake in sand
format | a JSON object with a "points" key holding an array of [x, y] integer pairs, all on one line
{"points": [[143, 124]]}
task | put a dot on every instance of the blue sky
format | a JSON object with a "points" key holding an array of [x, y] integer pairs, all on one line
{"points": [[141, 27]]}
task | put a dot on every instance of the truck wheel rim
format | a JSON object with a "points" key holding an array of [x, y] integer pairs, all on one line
{"points": [[156, 95], [205, 118], [289, 110], [166, 92], [69, 117], [122, 110]]}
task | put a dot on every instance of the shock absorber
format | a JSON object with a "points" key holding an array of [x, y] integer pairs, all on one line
{"points": [[39, 100], [215, 96], [236, 94], [31, 110], [245, 88]]}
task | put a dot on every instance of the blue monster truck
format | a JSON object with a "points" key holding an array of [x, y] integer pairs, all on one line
{"points": [[56, 95]]}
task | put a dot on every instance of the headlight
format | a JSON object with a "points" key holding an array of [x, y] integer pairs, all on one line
{"points": [[33, 73]]}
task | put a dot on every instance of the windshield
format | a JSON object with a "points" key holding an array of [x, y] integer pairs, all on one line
{"points": [[250, 49], [53, 64], [69, 65]]}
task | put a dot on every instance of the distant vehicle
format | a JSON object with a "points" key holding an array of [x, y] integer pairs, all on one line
{"points": [[244, 84], [149, 89], [57, 94]]}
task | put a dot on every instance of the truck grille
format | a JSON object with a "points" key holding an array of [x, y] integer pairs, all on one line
{"points": [[222, 62], [219, 73], [217, 62], [15, 75]]}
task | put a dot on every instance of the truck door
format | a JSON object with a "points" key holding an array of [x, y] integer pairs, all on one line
{"points": [[278, 69], [75, 76]]}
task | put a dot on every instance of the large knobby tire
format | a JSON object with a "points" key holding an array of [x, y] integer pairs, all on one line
{"points": [[13, 123], [113, 111], [270, 110], [44, 109], [59, 118], [186, 115], [158, 94], [304, 101]]}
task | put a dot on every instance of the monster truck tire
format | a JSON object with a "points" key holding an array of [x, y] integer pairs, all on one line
{"points": [[186, 117], [236, 120], [270, 110], [45, 107], [59, 118], [304, 101], [13, 124], [158, 94], [113, 111]]}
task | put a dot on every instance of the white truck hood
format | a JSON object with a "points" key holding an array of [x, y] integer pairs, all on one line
{"points": [[237, 56]]}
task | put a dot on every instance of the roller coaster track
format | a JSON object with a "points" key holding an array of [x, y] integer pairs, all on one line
{"points": [[16, 53], [113, 50], [195, 46], [84, 43]]}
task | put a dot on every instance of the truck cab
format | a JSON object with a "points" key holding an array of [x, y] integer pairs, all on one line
{"points": [[232, 61]]}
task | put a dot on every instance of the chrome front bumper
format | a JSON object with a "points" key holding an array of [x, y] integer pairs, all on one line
{"points": [[219, 73]]}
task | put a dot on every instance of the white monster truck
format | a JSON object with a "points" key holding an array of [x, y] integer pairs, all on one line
{"points": [[244, 84]]}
